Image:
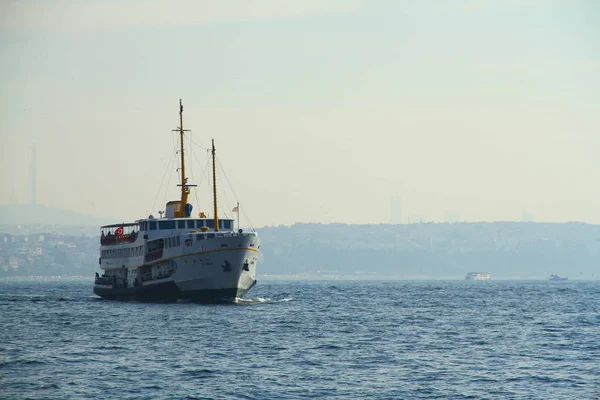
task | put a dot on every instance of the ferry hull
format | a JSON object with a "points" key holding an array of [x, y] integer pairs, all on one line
{"points": [[169, 291]]}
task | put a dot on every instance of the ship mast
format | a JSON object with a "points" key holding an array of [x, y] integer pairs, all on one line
{"points": [[185, 188], [215, 187]]}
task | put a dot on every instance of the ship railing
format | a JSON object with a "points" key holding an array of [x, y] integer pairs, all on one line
{"points": [[224, 233], [247, 234], [147, 277], [161, 275], [118, 239], [104, 280], [153, 255]]}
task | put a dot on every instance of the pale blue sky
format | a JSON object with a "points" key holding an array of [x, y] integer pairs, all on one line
{"points": [[322, 110]]}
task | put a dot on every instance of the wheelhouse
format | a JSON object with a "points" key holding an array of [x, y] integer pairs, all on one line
{"points": [[119, 233], [204, 224]]}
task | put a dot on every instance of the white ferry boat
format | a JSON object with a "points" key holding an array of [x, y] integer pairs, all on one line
{"points": [[178, 256], [478, 276]]}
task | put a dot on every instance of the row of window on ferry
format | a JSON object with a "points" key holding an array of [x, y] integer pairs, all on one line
{"points": [[122, 253], [163, 243], [224, 224]]}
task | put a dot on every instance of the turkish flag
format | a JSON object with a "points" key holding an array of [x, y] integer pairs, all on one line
{"points": [[119, 231]]}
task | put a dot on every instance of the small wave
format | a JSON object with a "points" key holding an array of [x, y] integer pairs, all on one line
{"points": [[35, 298], [27, 295], [328, 347], [199, 373], [111, 348], [261, 300], [27, 362], [154, 387], [49, 386], [255, 300]]}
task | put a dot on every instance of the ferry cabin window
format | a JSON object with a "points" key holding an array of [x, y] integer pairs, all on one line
{"points": [[210, 236], [167, 224], [199, 223], [225, 224], [200, 237], [210, 223], [156, 245], [180, 224], [191, 224], [152, 225], [178, 241]]}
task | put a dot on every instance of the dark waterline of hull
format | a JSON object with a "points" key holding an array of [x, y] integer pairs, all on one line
{"points": [[169, 291]]}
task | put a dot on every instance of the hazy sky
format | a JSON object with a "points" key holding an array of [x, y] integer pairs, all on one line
{"points": [[322, 110]]}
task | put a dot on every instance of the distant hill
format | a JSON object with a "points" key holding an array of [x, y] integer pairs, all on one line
{"points": [[509, 250], [18, 214]]}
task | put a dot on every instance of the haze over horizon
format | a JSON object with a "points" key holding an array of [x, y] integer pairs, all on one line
{"points": [[322, 111]]}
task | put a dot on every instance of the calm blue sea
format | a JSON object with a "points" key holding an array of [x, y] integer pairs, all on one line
{"points": [[306, 340]]}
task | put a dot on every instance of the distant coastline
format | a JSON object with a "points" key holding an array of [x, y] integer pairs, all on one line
{"points": [[423, 251]]}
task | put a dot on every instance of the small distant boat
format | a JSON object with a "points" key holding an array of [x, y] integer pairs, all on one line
{"points": [[478, 276], [555, 277]]}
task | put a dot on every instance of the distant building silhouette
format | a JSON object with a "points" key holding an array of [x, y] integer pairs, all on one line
{"points": [[416, 219], [527, 216], [395, 210], [452, 216], [33, 188]]}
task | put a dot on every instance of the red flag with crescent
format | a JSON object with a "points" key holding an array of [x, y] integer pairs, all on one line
{"points": [[119, 231]]}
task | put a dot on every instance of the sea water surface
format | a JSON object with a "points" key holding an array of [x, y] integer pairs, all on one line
{"points": [[306, 340]]}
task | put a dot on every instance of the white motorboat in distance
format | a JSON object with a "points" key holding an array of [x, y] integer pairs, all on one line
{"points": [[478, 276]]}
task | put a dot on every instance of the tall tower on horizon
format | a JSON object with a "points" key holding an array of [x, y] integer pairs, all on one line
{"points": [[32, 187], [526, 216], [395, 210]]}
